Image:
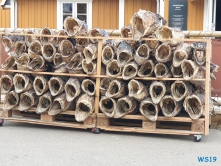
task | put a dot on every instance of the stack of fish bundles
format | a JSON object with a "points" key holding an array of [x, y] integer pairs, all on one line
{"points": [[156, 51]]}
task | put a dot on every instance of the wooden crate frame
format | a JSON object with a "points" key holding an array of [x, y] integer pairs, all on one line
{"points": [[200, 126]]}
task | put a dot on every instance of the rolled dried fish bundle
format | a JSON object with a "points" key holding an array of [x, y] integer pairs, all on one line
{"points": [[84, 107], [181, 89], [149, 109], [72, 89], [30, 39], [45, 102], [143, 21], [75, 61], [48, 51], [59, 39], [34, 49], [11, 100], [181, 53], [105, 82], [189, 69], [161, 71], [59, 104], [7, 43], [163, 53], [194, 105], [125, 105], [107, 54], [142, 54], [9, 63], [112, 69], [96, 32], [163, 32], [6, 83], [124, 54], [199, 52], [146, 69], [46, 31], [20, 47], [157, 91], [137, 90], [74, 26], [66, 49], [116, 89], [126, 31], [177, 35], [22, 83], [90, 52], [22, 62], [107, 105], [37, 64], [81, 43], [59, 64], [27, 100], [169, 106], [152, 44], [89, 68], [130, 70], [56, 85], [88, 86], [176, 71], [40, 85]]}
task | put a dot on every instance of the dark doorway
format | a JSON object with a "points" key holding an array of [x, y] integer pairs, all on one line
{"points": [[218, 15]]}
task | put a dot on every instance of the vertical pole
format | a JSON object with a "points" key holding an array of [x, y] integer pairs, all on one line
{"points": [[97, 92], [207, 85]]}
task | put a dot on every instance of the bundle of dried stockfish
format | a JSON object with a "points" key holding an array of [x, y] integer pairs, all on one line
{"points": [[107, 54], [169, 106], [34, 49], [28, 38], [108, 106], [56, 85], [116, 89], [157, 90], [44, 103], [23, 61], [163, 53], [27, 100], [137, 90], [89, 68], [90, 52], [40, 85], [81, 43], [146, 69], [59, 39], [59, 104], [130, 70], [45, 32], [161, 70], [124, 54], [149, 109], [74, 26], [194, 105], [88, 86], [96, 32], [105, 82], [125, 105], [48, 51], [72, 89], [20, 47], [59, 64], [6, 83], [22, 83], [66, 49], [9, 63], [145, 23], [112, 69], [84, 107], [142, 54], [181, 53], [37, 64], [11, 100]]}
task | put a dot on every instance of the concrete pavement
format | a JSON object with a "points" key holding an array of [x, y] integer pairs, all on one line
{"points": [[35, 145]]}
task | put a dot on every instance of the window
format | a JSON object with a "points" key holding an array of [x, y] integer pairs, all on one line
{"points": [[80, 9], [6, 3]]}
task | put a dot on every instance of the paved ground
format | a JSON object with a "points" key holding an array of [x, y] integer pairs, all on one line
{"points": [[35, 145]]}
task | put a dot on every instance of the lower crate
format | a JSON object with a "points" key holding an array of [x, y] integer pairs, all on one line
{"points": [[138, 123], [64, 119]]}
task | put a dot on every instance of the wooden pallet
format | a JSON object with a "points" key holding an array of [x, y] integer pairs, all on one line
{"points": [[64, 119], [163, 125]]}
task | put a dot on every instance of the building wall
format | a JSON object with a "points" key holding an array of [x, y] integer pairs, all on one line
{"points": [[194, 15], [132, 6], [105, 14], [5, 18], [37, 13]]}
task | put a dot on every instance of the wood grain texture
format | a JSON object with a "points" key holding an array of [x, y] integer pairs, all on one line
{"points": [[5, 18]]}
